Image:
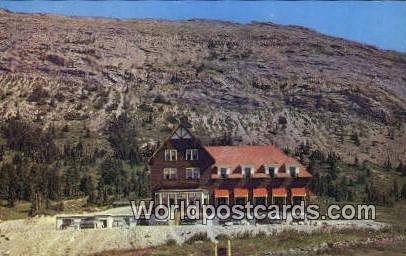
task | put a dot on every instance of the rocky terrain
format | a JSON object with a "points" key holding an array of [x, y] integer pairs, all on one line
{"points": [[260, 82]]}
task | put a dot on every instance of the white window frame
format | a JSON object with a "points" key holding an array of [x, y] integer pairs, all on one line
{"points": [[171, 155], [172, 172], [192, 154], [296, 170], [251, 167], [228, 170], [194, 171], [275, 171]]}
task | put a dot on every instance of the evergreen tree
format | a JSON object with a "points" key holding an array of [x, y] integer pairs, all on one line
{"points": [[403, 192], [87, 187], [71, 181], [38, 189], [355, 139], [395, 190], [8, 183], [1, 152], [122, 135], [387, 165], [356, 161]]}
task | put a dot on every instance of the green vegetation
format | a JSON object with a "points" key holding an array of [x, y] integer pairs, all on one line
{"points": [[343, 182], [47, 166]]}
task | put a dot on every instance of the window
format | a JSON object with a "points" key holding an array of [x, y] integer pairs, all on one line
{"points": [[272, 171], [247, 171], [170, 173], [223, 172], [293, 171], [171, 155], [192, 154], [192, 173]]}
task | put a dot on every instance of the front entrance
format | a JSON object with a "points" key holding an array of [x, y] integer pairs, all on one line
{"points": [[175, 197]]}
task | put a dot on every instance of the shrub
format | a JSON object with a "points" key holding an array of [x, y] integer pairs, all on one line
{"points": [[222, 237], [160, 99], [197, 237], [38, 95], [171, 242], [245, 235]]}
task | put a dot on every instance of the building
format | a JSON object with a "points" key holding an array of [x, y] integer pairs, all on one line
{"points": [[182, 169], [94, 221]]}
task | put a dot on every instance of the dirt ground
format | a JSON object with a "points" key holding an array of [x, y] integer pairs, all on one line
{"points": [[38, 236]]}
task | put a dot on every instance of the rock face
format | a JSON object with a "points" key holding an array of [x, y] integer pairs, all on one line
{"points": [[261, 83]]}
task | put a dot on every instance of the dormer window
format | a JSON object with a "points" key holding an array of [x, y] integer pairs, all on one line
{"points": [[247, 171], [293, 171], [171, 155], [271, 170], [192, 154], [223, 172]]}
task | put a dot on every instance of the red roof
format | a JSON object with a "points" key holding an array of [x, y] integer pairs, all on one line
{"points": [[257, 156], [260, 175], [240, 192], [298, 191], [220, 193], [279, 192], [260, 192]]}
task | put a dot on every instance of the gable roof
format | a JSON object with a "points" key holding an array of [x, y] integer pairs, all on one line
{"points": [[257, 156], [180, 126]]}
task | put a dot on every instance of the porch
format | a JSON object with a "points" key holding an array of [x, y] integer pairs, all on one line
{"points": [[176, 196]]}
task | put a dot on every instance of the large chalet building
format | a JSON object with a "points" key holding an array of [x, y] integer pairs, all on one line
{"points": [[184, 169]]}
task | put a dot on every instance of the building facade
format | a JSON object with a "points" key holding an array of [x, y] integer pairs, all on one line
{"points": [[182, 169]]}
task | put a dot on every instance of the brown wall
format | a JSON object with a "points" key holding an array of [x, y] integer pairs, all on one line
{"points": [[205, 164], [158, 163]]}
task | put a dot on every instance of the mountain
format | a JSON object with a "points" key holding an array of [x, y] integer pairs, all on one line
{"points": [[258, 83]]}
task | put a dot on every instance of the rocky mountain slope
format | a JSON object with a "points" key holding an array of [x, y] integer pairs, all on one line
{"points": [[261, 83]]}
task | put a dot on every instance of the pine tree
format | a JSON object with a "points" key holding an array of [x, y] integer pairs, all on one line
{"points": [[387, 165], [355, 139], [1, 152], [87, 187], [356, 161], [38, 189], [403, 192], [9, 183], [395, 190], [72, 179]]}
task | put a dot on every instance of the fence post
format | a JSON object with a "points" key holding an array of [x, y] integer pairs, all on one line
{"points": [[228, 248]]}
